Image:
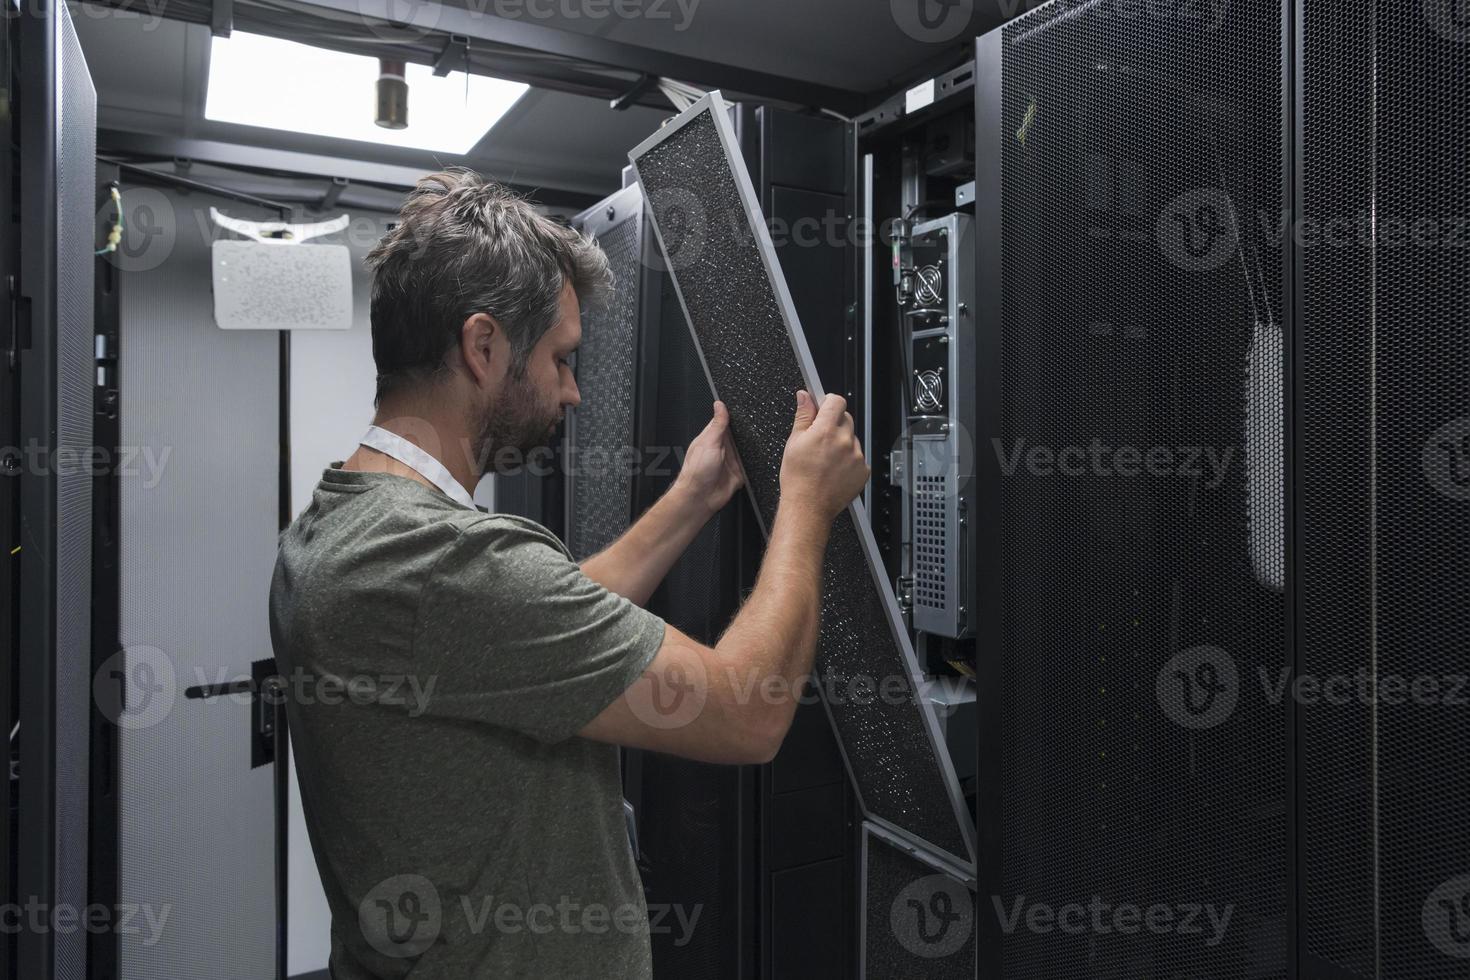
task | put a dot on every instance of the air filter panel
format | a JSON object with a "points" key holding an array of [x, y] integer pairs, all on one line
{"points": [[599, 483], [723, 265]]}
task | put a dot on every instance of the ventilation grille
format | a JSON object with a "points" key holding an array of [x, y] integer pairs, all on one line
{"points": [[737, 319], [933, 541], [601, 464]]}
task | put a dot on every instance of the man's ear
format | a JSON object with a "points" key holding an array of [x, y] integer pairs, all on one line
{"points": [[482, 344]]}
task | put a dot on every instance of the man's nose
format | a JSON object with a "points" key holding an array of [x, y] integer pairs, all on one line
{"points": [[573, 396]]}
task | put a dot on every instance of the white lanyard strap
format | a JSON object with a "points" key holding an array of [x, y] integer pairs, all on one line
{"points": [[426, 466]]}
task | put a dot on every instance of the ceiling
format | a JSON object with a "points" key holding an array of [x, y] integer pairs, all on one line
{"points": [[150, 78]]}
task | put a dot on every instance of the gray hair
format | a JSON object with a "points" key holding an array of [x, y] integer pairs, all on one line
{"points": [[465, 245]]}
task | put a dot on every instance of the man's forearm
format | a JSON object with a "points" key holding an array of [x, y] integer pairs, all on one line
{"points": [[775, 634], [634, 564]]}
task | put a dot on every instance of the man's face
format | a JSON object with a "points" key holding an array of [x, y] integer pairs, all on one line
{"points": [[525, 412]]}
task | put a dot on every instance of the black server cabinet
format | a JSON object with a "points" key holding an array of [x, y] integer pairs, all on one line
{"points": [[1132, 464], [766, 853], [51, 355], [1259, 218]]}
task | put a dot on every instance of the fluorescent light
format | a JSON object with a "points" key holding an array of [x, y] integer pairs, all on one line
{"points": [[264, 81]]}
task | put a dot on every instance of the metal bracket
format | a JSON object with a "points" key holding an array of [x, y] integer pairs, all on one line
{"points": [[222, 17], [334, 191], [267, 696], [455, 56]]}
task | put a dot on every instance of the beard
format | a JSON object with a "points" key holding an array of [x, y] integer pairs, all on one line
{"points": [[516, 422]]}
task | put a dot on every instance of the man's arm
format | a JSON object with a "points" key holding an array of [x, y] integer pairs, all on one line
{"points": [[634, 564], [734, 703]]}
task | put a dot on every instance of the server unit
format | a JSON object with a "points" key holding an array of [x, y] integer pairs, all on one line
{"points": [[936, 270]]}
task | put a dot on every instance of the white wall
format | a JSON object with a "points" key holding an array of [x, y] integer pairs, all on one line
{"points": [[332, 382]]}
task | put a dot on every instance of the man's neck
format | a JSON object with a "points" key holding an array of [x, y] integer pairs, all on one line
{"points": [[447, 440]]}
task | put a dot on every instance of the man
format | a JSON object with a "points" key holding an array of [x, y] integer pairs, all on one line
{"points": [[457, 686]]}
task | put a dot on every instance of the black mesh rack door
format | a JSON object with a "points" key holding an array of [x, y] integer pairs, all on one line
{"points": [[720, 257], [600, 448], [1383, 489], [1129, 189]]}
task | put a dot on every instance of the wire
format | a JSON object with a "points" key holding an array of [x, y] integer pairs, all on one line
{"points": [[115, 233]]}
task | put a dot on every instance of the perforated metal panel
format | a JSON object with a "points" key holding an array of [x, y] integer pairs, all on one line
{"points": [[918, 917], [1384, 487], [75, 193], [1131, 192], [711, 234], [600, 460], [199, 515]]}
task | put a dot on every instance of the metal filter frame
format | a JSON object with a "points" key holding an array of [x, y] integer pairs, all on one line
{"points": [[715, 106]]}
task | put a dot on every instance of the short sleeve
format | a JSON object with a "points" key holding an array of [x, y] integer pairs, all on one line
{"points": [[515, 635]]}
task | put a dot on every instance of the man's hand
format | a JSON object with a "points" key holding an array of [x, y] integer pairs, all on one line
{"points": [[823, 467], [711, 473]]}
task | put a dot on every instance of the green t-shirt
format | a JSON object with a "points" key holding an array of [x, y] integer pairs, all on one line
{"points": [[439, 662]]}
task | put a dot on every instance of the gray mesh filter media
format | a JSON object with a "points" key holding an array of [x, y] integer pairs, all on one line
{"points": [[1384, 486], [1138, 156], [917, 920], [737, 320], [600, 481]]}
